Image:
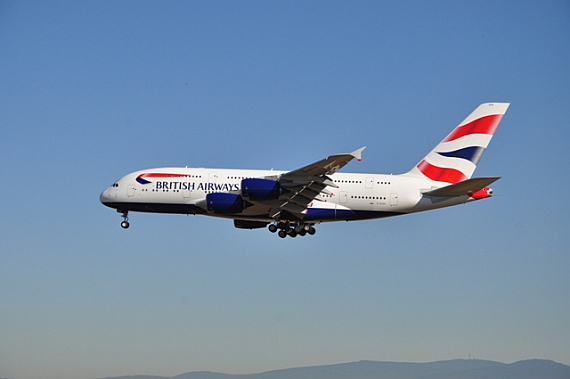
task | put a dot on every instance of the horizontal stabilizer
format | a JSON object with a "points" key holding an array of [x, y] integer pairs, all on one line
{"points": [[462, 188]]}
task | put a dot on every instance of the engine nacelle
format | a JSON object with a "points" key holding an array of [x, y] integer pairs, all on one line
{"points": [[255, 189], [224, 203]]}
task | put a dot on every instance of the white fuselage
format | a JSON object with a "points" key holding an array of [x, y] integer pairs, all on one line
{"points": [[183, 191]]}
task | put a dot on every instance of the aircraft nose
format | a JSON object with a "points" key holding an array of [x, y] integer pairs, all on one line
{"points": [[105, 197]]}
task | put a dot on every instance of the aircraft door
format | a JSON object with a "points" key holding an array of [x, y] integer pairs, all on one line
{"points": [[393, 199], [131, 190], [343, 197], [369, 182]]}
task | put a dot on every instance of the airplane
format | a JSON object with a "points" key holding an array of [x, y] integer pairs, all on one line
{"points": [[291, 203]]}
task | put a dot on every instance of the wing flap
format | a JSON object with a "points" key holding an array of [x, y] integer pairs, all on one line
{"points": [[297, 199], [293, 208]]}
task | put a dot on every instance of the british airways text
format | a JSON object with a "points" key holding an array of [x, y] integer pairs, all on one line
{"points": [[192, 186]]}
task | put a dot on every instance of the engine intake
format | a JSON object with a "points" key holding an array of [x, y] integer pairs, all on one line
{"points": [[256, 189]]}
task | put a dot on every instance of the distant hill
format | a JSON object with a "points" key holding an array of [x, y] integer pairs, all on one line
{"points": [[454, 369]]}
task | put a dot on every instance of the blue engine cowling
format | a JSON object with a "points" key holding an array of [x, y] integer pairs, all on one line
{"points": [[224, 203], [255, 189]]}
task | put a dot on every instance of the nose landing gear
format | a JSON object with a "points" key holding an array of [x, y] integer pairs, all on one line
{"points": [[125, 223]]}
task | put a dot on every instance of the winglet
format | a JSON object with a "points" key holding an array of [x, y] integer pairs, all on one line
{"points": [[358, 153]]}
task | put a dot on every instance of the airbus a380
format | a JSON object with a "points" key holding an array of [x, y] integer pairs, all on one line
{"points": [[292, 202]]}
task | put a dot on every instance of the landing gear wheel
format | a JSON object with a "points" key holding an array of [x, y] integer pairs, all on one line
{"points": [[302, 232], [282, 233], [311, 230], [292, 233], [272, 228], [125, 223]]}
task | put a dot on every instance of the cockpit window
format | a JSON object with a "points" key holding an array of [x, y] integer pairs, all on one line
{"points": [[115, 185]]}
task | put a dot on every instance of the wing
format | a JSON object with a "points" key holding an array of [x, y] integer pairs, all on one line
{"points": [[304, 185]]}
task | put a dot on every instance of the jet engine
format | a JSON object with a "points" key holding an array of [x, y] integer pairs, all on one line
{"points": [[256, 189], [224, 203]]}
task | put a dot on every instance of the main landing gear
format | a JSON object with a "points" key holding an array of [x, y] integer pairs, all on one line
{"points": [[292, 231], [125, 224]]}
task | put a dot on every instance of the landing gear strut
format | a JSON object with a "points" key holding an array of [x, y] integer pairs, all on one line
{"points": [[125, 224], [285, 229]]}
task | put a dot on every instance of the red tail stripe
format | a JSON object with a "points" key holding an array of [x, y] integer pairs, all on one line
{"points": [[448, 175], [160, 175], [483, 125]]}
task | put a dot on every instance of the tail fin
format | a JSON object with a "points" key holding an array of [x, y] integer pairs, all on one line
{"points": [[455, 158]]}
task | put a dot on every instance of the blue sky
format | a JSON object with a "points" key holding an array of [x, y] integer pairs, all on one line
{"points": [[94, 90]]}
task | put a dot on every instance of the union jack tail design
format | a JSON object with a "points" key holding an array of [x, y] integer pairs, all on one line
{"points": [[455, 158]]}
